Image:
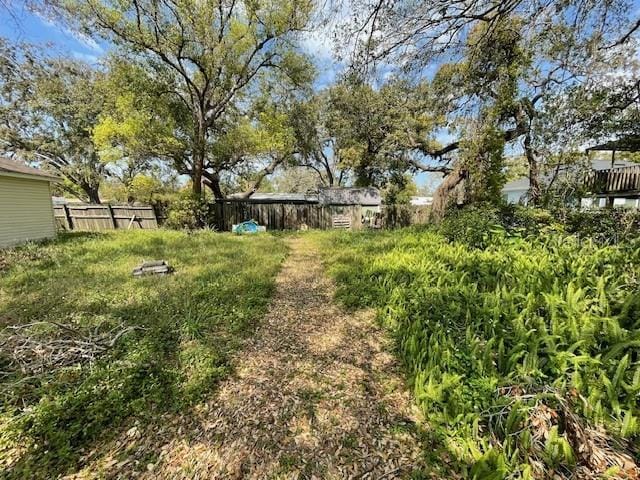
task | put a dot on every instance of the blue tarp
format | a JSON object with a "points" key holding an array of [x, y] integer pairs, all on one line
{"points": [[250, 226]]}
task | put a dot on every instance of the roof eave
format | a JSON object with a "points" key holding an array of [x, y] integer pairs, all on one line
{"points": [[31, 176]]}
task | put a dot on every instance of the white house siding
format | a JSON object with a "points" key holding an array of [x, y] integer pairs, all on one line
{"points": [[515, 196], [26, 212]]}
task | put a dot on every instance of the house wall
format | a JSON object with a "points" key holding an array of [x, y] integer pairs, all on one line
{"points": [[514, 196], [26, 211], [618, 202]]}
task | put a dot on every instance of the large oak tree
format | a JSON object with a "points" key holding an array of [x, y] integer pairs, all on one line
{"points": [[211, 56], [568, 51], [48, 108]]}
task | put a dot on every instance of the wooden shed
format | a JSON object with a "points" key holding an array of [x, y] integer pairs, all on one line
{"points": [[26, 210]]}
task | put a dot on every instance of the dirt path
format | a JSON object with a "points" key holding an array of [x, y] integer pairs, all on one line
{"points": [[316, 395]]}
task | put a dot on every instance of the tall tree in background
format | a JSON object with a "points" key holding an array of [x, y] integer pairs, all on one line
{"points": [[140, 128], [568, 47], [316, 147], [48, 108], [215, 53], [380, 134]]}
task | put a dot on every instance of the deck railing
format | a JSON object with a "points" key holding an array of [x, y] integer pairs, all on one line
{"points": [[614, 180]]}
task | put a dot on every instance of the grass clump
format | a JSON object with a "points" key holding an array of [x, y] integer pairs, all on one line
{"points": [[186, 326], [523, 353]]}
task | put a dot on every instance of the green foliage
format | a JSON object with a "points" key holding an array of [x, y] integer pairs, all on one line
{"points": [[187, 212], [190, 322], [139, 121], [48, 108], [494, 337], [603, 225], [472, 225], [480, 225], [399, 190], [374, 129], [141, 188], [205, 63]]}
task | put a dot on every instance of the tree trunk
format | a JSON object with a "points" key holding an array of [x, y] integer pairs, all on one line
{"points": [[212, 180], [199, 154], [327, 168], [442, 195], [92, 193], [534, 171]]}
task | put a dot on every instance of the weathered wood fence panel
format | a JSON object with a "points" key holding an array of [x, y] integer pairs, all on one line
{"points": [[294, 216], [282, 216], [104, 217], [397, 216]]}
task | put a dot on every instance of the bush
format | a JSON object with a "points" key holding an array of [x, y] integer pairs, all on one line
{"points": [[480, 225], [187, 212], [529, 220], [605, 226], [473, 225]]}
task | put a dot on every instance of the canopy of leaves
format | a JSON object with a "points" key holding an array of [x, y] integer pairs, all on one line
{"points": [[48, 109]]}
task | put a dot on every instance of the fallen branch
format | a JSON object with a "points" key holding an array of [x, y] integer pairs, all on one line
{"points": [[37, 347], [595, 450]]}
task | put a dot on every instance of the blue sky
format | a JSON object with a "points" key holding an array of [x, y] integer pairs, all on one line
{"points": [[21, 25]]}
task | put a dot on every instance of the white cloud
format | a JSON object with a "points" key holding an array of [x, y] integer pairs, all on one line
{"points": [[81, 38], [85, 40], [85, 57], [318, 45]]}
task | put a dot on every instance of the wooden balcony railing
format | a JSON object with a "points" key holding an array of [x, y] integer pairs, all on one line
{"points": [[614, 180]]}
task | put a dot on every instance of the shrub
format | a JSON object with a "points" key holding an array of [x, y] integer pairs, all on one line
{"points": [[515, 351], [480, 225], [528, 220], [188, 212], [474, 225], [605, 226]]}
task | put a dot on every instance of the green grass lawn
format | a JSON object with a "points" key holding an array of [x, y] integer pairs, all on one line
{"points": [[189, 323], [514, 352]]}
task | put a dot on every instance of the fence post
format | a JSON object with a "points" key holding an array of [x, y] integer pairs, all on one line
{"points": [[284, 213], [67, 215], [113, 219]]}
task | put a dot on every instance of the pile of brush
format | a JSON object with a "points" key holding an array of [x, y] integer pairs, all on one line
{"points": [[551, 440]]}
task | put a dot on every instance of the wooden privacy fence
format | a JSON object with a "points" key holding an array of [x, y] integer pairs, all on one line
{"points": [[285, 216], [397, 216], [297, 215], [104, 217]]}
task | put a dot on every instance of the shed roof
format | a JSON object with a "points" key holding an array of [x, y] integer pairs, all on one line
{"points": [[628, 143], [349, 196], [516, 185], [13, 168], [276, 198]]}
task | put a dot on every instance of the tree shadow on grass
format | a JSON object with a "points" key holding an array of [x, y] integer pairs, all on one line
{"points": [[315, 398], [189, 323]]}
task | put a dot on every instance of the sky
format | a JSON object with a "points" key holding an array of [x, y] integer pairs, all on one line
{"points": [[21, 25], [27, 26]]}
